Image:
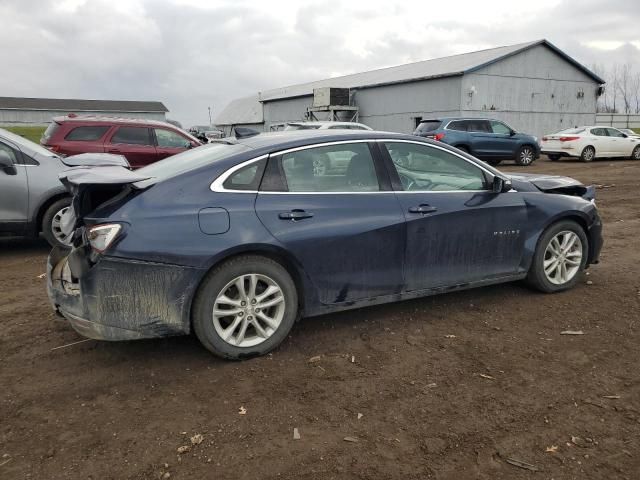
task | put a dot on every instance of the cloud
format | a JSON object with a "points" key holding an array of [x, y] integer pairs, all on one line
{"points": [[195, 54]]}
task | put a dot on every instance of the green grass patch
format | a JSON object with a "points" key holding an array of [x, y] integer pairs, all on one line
{"points": [[31, 133], [637, 130]]}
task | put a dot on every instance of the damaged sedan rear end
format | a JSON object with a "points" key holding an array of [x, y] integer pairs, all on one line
{"points": [[236, 240]]}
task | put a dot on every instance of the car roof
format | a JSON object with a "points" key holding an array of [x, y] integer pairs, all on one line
{"points": [[112, 120], [286, 138]]}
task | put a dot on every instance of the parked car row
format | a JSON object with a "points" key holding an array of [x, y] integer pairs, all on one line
{"points": [[589, 143]]}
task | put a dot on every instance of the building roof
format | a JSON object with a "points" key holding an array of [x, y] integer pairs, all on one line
{"points": [[426, 69], [77, 105], [241, 111]]}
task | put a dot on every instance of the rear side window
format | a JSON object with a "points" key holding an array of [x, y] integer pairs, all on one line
{"points": [[335, 168], [246, 178], [459, 125], [599, 132], [132, 136], [481, 126], [428, 126], [86, 134]]}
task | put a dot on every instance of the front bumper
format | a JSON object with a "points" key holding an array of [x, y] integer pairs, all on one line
{"points": [[121, 299]]}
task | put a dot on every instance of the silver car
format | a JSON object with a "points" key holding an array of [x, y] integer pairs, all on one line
{"points": [[32, 199]]}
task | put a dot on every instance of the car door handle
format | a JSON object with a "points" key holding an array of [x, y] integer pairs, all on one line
{"points": [[295, 215], [422, 208]]}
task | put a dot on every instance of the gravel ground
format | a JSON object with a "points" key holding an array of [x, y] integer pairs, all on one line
{"points": [[464, 385]]}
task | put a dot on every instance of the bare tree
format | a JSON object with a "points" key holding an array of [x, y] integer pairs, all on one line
{"points": [[635, 89], [624, 87]]}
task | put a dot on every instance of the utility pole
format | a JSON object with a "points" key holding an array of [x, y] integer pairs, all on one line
{"points": [[209, 115]]}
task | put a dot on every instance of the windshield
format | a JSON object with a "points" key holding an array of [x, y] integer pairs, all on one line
{"points": [[26, 144], [188, 160]]}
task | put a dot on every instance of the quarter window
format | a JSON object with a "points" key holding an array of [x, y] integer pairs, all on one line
{"points": [[459, 125], [132, 136], [167, 138], [335, 168], [426, 168], [246, 178], [86, 134]]}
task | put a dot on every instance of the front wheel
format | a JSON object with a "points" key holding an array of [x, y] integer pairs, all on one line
{"points": [[635, 155], [588, 154], [560, 256], [525, 156], [245, 307], [52, 223]]}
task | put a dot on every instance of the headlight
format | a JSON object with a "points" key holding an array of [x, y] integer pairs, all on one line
{"points": [[101, 236]]}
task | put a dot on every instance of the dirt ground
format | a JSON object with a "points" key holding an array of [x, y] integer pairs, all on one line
{"points": [[458, 386]]}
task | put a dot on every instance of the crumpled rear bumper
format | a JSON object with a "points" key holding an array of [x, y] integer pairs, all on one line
{"points": [[121, 299]]}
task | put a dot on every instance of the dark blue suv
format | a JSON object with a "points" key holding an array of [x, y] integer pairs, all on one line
{"points": [[487, 139]]}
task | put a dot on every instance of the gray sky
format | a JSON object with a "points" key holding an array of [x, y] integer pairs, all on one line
{"points": [[193, 54]]}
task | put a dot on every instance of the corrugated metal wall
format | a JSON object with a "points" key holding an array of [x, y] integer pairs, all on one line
{"points": [[43, 117], [536, 92]]}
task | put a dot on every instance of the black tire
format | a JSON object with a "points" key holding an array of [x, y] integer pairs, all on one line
{"points": [[553, 158], [211, 288], [494, 163], [588, 154], [525, 156], [47, 226], [635, 155], [536, 276]]}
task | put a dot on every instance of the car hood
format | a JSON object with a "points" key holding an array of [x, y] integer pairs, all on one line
{"points": [[555, 184]]}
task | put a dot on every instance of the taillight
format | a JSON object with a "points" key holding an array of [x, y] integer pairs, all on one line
{"points": [[569, 139], [438, 136], [101, 236]]}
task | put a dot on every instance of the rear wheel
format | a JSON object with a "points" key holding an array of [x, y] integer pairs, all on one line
{"points": [[245, 307], [525, 156], [635, 155], [560, 256], [553, 158], [588, 154], [51, 223]]}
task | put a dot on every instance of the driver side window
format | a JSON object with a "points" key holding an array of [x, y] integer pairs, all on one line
{"points": [[426, 168]]}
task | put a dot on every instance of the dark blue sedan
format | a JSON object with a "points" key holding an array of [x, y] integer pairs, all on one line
{"points": [[236, 240]]}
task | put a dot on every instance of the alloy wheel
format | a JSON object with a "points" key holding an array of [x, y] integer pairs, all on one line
{"points": [[562, 257], [636, 153], [526, 156], [248, 310], [56, 227]]}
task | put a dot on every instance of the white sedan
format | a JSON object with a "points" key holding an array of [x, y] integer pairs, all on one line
{"points": [[587, 143]]}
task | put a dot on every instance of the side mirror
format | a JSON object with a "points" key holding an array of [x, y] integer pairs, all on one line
{"points": [[501, 185], [512, 133], [6, 163], [624, 135]]}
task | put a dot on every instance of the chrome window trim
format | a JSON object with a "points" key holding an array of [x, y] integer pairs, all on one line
{"points": [[217, 184]]}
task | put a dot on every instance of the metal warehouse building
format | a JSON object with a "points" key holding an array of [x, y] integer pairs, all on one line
{"points": [[534, 86], [39, 111]]}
